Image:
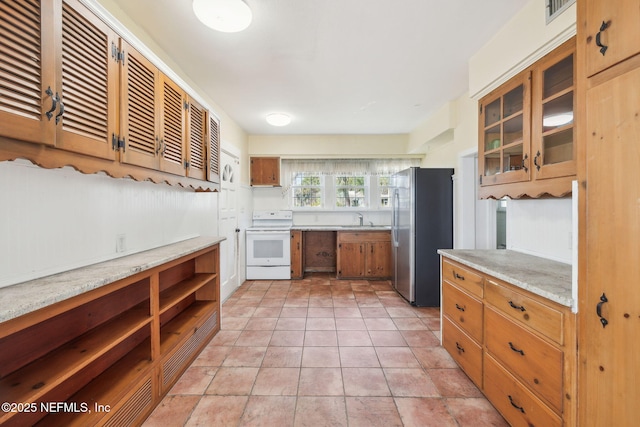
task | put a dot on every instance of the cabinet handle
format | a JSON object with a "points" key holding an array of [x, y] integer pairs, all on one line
{"points": [[519, 408], [535, 160], [54, 102], [371, 248], [459, 308], [457, 276], [60, 112], [517, 307], [515, 349], [526, 169], [459, 347], [603, 299], [603, 48]]}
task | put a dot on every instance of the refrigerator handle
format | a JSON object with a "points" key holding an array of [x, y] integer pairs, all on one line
{"points": [[394, 218]]}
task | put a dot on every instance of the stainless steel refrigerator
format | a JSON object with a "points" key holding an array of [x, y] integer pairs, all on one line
{"points": [[422, 223]]}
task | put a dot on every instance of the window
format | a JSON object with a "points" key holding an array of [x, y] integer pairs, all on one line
{"points": [[340, 184], [306, 190], [384, 194], [556, 7], [351, 191]]}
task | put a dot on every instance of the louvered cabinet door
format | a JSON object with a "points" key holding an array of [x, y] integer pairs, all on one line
{"points": [[27, 71], [213, 151], [172, 127], [196, 140], [139, 88], [88, 82]]}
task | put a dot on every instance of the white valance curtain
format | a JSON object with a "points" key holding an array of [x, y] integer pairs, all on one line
{"points": [[346, 166]]}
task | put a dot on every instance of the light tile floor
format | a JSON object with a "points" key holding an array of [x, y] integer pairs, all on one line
{"points": [[322, 352]]}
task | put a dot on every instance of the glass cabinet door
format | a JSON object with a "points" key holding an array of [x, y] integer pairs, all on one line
{"points": [[504, 137], [554, 101]]}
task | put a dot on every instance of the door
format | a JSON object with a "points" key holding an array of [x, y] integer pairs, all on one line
{"points": [[610, 306], [88, 83], [351, 259], [612, 32], [403, 243], [28, 92], [228, 220]]}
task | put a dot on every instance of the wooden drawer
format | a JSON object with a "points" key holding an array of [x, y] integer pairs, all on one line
{"points": [[462, 277], [516, 404], [363, 236], [466, 352], [464, 310], [542, 318], [536, 362]]}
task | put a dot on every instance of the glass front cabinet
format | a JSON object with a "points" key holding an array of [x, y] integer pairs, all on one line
{"points": [[526, 139]]}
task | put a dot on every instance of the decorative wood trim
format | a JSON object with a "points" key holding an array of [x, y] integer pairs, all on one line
{"points": [[52, 158]]}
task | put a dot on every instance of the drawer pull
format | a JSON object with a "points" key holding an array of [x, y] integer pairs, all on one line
{"points": [[459, 347], [516, 307], [459, 308], [603, 299], [519, 408], [515, 349], [457, 276]]}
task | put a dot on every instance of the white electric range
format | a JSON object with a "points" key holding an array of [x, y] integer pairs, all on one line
{"points": [[269, 246]]}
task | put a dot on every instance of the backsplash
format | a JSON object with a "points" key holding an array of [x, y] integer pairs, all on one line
{"points": [[541, 227], [55, 220]]}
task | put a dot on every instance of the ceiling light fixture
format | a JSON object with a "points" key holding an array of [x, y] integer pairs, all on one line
{"points": [[228, 16], [278, 119]]}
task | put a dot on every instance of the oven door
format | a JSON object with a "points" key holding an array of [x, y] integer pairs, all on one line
{"points": [[266, 248]]}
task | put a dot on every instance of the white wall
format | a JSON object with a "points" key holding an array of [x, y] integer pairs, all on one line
{"points": [[56, 220], [539, 227]]}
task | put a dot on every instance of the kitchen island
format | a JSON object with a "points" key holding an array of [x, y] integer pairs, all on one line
{"points": [[508, 323]]}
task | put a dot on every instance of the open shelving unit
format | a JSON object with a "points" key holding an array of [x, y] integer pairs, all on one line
{"points": [[111, 353]]}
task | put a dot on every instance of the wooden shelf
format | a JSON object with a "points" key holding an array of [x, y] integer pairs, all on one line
{"points": [[106, 389], [109, 355], [37, 380], [183, 289], [188, 320]]}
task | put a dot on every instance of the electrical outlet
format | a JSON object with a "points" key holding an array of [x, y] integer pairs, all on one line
{"points": [[121, 243]]}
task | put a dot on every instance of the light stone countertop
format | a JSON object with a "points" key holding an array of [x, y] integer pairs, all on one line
{"points": [[341, 227], [22, 298], [543, 277]]}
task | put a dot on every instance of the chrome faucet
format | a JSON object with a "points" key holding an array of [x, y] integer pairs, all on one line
{"points": [[361, 218]]}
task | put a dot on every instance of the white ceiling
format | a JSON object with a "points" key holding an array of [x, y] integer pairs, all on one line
{"points": [[337, 66]]}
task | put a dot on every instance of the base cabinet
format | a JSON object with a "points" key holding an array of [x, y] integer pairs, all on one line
{"points": [[514, 345], [363, 255], [109, 355]]}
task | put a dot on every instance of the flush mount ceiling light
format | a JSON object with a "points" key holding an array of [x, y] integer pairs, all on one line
{"points": [[278, 119], [228, 16]]}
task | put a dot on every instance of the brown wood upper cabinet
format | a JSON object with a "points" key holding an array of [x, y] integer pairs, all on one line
{"points": [[71, 83], [526, 138], [611, 33], [58, 76], [265, 171]]}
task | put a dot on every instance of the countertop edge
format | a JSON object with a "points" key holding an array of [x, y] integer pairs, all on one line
{"points": [[516, 281], [341, 228], [27, 297]]}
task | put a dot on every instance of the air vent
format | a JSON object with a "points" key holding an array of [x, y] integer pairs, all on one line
{"points": [[556, 7]]}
